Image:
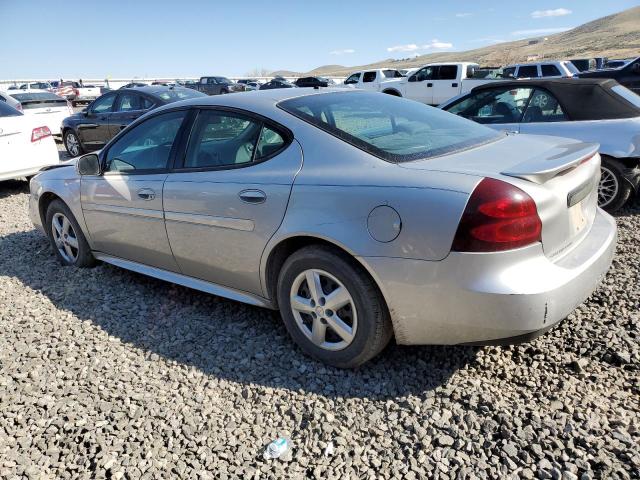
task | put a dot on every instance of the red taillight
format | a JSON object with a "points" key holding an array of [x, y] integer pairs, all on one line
{"points": [[19, 107], [498, 216], [40, 133]]}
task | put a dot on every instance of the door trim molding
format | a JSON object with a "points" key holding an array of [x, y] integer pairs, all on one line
{"points": [[211, 221], [186, 281], [136, 212]]}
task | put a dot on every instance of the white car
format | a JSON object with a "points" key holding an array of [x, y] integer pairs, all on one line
{"points": [[371, 79], [25, 145], [560, 69], [49, 108], [435, 83]]}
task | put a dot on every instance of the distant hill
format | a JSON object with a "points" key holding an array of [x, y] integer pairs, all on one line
{"points": [[614, 36]]}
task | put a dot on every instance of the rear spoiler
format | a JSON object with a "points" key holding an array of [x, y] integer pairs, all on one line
{"points": [[545, 167]]}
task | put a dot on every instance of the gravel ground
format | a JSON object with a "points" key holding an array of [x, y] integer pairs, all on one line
{"points": [[109, 374]]}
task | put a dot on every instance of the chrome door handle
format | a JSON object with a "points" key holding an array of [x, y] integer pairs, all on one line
{"points": [[253, 196], [146, 194]]}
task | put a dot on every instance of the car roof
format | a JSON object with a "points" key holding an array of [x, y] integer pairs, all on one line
{"points": [[580, 98]]}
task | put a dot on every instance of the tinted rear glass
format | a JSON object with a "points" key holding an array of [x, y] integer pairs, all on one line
{"points": [[42, 97], [391, 128], [7, 111], [177, 94]]}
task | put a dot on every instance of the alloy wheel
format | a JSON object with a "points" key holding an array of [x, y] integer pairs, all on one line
{"points": [[72, 143], [608, 187], [65, 237], [324, 309]]}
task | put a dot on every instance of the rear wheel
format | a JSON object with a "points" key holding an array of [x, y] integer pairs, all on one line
{"points": [[66, 237], [331, 307], [613, 190], [72, 143]]}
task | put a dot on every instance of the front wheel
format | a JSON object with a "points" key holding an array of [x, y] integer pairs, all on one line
{"points": [[331, 307], [66, 237], [72, 143], [613, 189]]}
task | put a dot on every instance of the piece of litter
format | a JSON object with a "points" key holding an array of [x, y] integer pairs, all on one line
{"points": [[277, 448], [328, 451]]}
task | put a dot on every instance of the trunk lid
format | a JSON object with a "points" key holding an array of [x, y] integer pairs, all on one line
{"points": [[561, 175]]}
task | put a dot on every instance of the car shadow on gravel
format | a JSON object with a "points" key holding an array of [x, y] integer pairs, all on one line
{"points": [[222, 338], [13, 187]]}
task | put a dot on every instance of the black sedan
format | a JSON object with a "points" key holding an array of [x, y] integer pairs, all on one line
{"points": [[312, 82], [92, 128], [276, 83]]}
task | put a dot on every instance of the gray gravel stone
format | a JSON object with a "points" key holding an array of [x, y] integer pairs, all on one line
{"points": [[108, 374]]}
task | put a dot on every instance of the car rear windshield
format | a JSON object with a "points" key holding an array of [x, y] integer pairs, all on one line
{"points": [[7, 111], [39, 100], [391, 128], [177, 94]]}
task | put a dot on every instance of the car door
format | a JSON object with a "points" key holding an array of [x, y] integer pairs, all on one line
{"points": [[446, 84], [228, 196], [353, 79], [420, 85], [369, 80], [500, 108], [122, 207], [544, 115], [93, 128], [128, 107]]}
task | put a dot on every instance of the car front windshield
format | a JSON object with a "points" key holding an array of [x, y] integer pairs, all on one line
{"points": [[391, 128]]}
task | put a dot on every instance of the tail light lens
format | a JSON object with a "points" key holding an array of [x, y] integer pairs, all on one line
{"points": [[498, 216], [19, 107], [40, 133]]}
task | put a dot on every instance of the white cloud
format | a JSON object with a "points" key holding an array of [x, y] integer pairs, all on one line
{"points": [[342, 52], [412, 47], [534, 32], [556, 12], [464, 15]]}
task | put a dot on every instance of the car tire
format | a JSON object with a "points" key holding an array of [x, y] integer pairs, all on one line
{"points": [[352, 334], [614, 190], [72, 143], [66, 237]]}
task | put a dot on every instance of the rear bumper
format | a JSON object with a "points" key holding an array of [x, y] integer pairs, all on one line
{"points": [[482, 298]]}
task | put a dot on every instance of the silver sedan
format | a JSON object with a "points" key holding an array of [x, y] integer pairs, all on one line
{"points": [[360, 216]]}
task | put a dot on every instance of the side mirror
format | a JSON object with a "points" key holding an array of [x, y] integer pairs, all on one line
{"points": [[88, 165], [412, 78], [636, 68]]}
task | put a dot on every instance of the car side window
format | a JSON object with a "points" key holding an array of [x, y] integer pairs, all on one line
{"points": [[368, 77], [426, 73], [494, 106], [129, 101], [543, 107], [103, 104], [221, 139], [270, 142], [528, 71], [550, 71], [146, 146], [352, 79], [447, 72]]}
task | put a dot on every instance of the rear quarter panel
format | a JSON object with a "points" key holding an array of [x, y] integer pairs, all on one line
{"points": [[339, 185]]}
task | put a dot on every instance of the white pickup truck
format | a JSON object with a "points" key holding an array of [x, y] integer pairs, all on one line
{"points": [[436, 83], [371, 79]]}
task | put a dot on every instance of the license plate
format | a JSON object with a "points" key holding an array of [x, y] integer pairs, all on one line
{"points": [[577, 217]]}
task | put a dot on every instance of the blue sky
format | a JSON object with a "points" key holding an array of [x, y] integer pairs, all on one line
{"points": [[115, 38]]}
